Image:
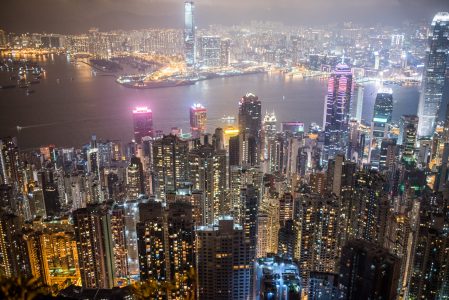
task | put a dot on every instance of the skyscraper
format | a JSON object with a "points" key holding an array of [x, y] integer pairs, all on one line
{"points": [[408, 127], [94, 244], [337, 109], [319, 226], [198, 118], [135, 184], [383, 110], [189, 34], [209, 51], [250, 125], [207, 172], [170, 164], [223, 261], [368, 271], [143, 123], [435, 75], [165, 243]]}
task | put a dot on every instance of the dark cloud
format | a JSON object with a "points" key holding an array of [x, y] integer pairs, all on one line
{"points": [[78, 15]]}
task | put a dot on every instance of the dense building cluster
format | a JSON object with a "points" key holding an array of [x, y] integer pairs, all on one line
{"points": [[346, 210]]}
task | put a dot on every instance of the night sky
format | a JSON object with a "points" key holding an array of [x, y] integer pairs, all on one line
{"points": [[76, 16]]}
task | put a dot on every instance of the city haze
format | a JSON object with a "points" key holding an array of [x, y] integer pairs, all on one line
{"points": [[68, 16]]}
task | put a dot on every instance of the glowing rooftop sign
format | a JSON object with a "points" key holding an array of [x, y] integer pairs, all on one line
{"points": [[141, 110]]}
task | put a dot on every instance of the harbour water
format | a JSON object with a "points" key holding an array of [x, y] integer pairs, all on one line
{"points": [[71, 103]]}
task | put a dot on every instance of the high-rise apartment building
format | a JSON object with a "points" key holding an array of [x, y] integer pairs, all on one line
{"points": [[368, 271], [223, 261], [170, 159], [95, 248], [207, 173]]}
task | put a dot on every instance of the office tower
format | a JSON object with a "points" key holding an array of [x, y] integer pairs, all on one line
{"points": [[119, 242], [225, 52], [408, 128], [435, 75], [276, 278], [383, 110], [166, 243], [14, 260], [9, 162], [51, 196], [319, 234], [336, 114], [189, 34], [250, 125], [142, 123], [209, 51], [223, 261], [293, 127], [52, 251], [267, 227], [387, 154], [358, 105], [368, 271], [94, 244], [269, 134], [207, 172], [135, 181], [170, 164], [198, 119], [324, 286]]}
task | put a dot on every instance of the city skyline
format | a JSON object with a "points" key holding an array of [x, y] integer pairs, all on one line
{"points": [[71, 17], [244, 162]]}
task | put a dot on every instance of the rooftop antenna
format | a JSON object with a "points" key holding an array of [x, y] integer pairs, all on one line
{"points": [[343, 57]]}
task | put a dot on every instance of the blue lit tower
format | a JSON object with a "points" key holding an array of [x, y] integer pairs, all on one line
{"points": [[189, 33], [383, 111], [434, 74], [337, 108]]}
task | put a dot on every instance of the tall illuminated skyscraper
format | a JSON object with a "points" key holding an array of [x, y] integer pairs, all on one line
{"points": [[223, 262], [207, 172], [435, 75], [143, 123], [166, 243], [170, 165], [94, 243], [408, 127], [383, 110], [250, 125], [337, 109], [198, 118], [135, 184], [189, 34]]}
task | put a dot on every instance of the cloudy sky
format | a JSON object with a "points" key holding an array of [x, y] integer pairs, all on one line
{"points": [[73, 16]]}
